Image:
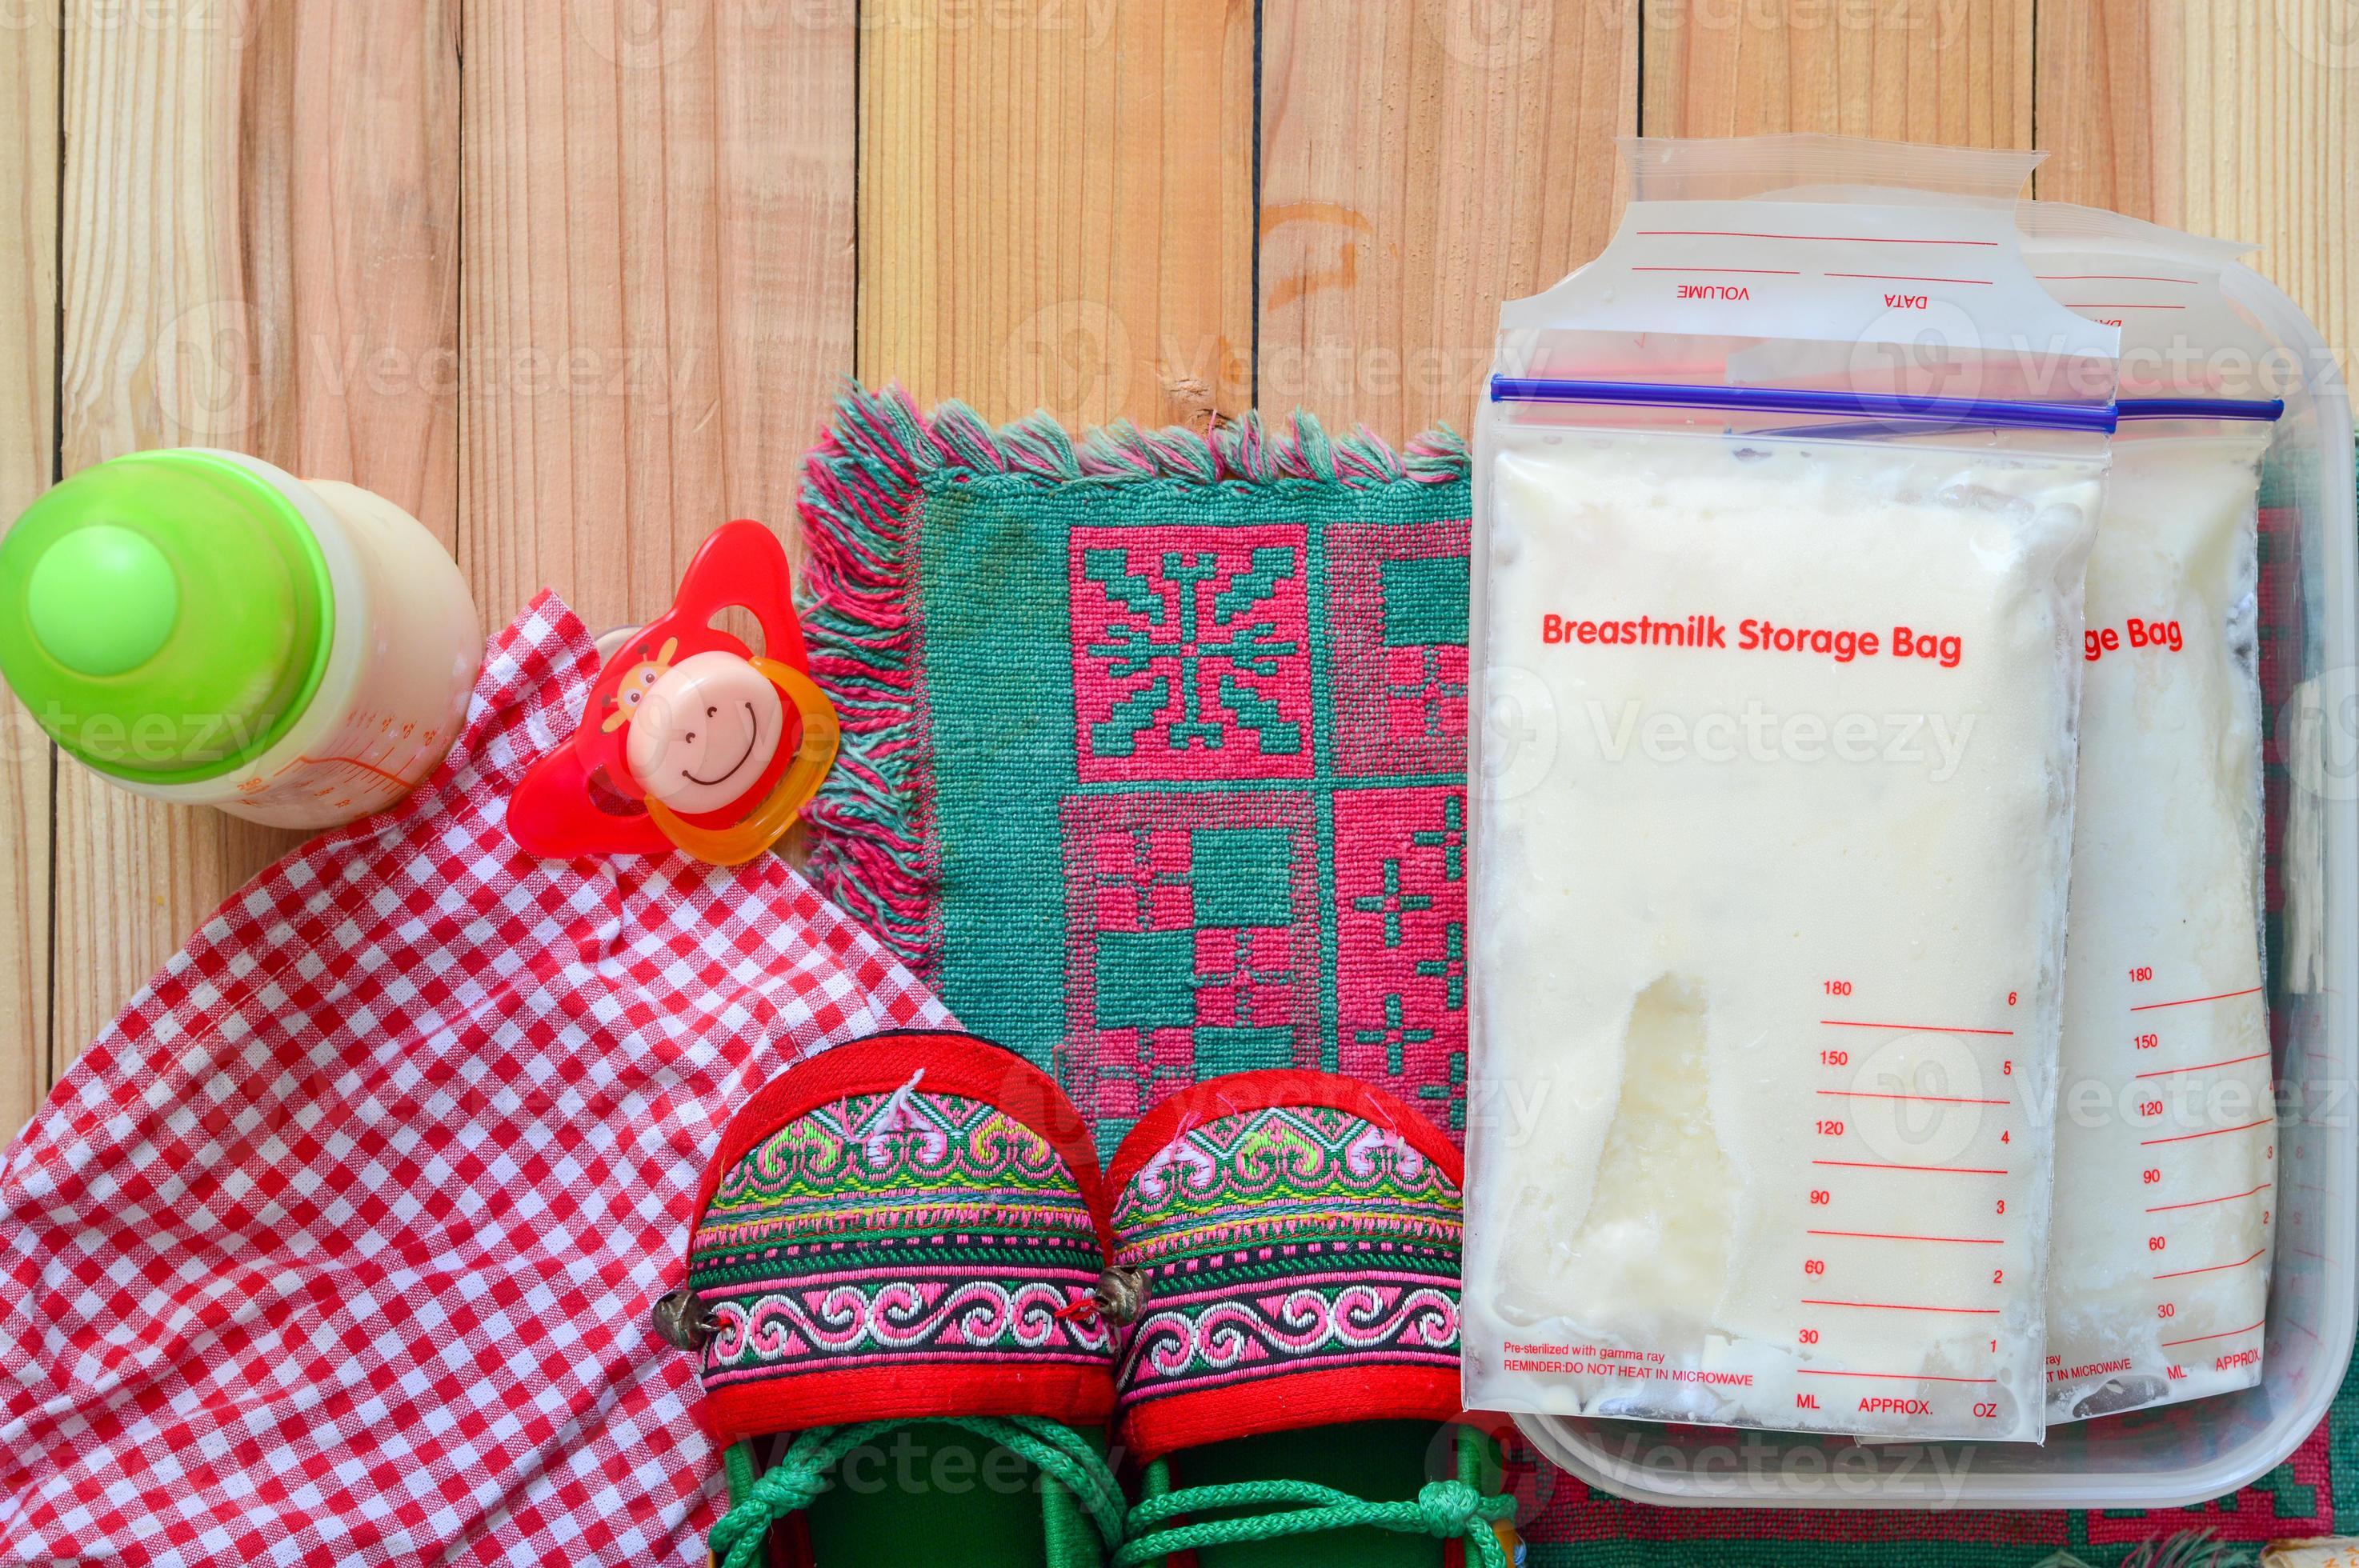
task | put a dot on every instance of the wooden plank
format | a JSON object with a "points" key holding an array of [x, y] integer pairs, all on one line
{"points": [[258, 254], [657, 293], [1420, 163], [349, 125], [2223, 119], [1916, 71], [28, 299], [2103, 70], [1055, 205]]}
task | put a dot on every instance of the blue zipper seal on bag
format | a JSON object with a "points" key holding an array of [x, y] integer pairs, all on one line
{"points": [[1956, 411], [2266, 410]]}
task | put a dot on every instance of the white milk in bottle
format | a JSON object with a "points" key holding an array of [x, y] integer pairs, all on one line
{"points": [[202, 627]]}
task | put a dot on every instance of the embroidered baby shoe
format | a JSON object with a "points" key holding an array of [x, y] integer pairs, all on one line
{"points": [[892, 1297], [1286, 1383]]}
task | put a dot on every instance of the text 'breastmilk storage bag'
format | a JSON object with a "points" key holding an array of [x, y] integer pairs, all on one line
{"points": [[2166, 1135], [1783, 511]]}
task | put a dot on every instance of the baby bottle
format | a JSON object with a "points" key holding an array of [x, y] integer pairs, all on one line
{"points": [[202, 627]]}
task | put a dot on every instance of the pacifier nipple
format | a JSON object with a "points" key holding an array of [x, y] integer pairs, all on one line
{"points": [[704, 733]]}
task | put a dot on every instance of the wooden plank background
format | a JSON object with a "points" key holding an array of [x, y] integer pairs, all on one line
{"points": [[574, 279]]}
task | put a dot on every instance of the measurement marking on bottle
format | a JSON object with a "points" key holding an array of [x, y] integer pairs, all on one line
{"points": [[2199, 1203], [2211, 1269], [1906, 1307], [2191, 1001], [1913, 1028], [2223, 1333], [2213, 1132], [1943, 1170], [1898, 1377], [1893, 1236], [2207, 1067], [1926, 1100], [357, 762]]}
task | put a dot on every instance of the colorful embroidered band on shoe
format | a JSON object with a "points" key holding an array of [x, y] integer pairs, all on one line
{"points": [[1298, 1237], [908, 1232]]}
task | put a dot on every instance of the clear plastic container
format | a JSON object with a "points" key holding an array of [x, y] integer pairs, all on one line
{"points": [[2178, 1454]]}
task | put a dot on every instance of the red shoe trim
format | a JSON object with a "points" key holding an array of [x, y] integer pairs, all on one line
{"points": [[1287, 1402], [1077, 1396]]}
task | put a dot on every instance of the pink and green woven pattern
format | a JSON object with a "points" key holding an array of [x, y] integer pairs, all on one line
{"points": [[1299, 1235], [1154, 750]]}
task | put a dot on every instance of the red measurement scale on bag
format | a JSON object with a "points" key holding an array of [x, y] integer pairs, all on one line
{"points": [[1913, 1231], [2176, 1095], [2179, 1167]]}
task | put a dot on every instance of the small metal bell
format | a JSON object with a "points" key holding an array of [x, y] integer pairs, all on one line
{"points": [[1121, 1294], [681, 1320]]}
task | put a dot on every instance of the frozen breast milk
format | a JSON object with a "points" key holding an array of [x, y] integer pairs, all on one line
{"points": [[1772, 842], [2166, 1133]]}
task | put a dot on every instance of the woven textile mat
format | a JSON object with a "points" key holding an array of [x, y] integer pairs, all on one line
{"points": [[1155, 747]]}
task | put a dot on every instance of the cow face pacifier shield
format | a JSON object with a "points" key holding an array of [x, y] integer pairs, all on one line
{"points": [[691, 740]]}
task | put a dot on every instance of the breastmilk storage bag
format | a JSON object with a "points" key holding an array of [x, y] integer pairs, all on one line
{"points": [[2166, 1137], [1783, 513]]}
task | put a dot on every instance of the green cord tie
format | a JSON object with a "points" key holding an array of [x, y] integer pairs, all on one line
{"points": [[1450, 1508], [784, 1489], [1447, 1510], [801, 1475]]}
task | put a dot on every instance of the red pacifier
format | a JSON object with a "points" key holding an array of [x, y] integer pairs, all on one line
{"points": [[693, 740]]}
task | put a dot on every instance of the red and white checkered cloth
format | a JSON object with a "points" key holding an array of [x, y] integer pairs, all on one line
{"points": [[338, 1245]]}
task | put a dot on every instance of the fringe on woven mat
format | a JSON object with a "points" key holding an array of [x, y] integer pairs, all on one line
{"points": [[2187, 1548], [860, 486]]}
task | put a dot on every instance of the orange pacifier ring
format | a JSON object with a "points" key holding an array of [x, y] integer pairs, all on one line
{"points": [[767, 823]]}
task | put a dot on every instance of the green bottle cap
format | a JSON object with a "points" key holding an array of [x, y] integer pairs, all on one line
{"points": [[164, 616]]}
